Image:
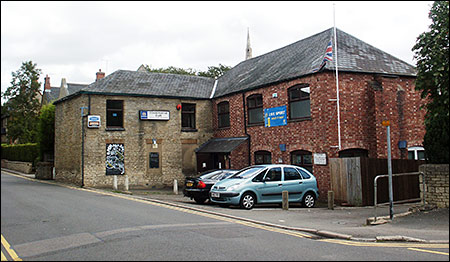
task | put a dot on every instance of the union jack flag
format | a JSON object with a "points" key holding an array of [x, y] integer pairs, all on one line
{"points": [[329, 53], [328, 57]]}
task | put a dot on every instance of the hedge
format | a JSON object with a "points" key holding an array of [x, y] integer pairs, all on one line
{"points": [[21, 152]]}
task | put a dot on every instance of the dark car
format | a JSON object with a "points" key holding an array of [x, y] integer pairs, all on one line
{"points": [[197, 188]]}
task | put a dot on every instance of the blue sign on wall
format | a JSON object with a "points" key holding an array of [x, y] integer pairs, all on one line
{"points": [[275, 116]]}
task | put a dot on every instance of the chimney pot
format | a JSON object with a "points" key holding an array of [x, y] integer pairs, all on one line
{"points": [[100, 75]]}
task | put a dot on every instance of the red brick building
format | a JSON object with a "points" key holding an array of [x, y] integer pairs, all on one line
{"points": [[289, 84]]}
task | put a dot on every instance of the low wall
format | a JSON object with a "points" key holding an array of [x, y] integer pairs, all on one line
{"points": [[44, 170], [24, 167], [436, 183]]}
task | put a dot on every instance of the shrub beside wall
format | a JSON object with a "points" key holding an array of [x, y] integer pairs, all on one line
{"points": [[22, 152]]}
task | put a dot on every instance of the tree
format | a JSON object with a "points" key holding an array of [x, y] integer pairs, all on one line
{"points": [[432, 53], [46, 131], [23, 103], [213, 71]]}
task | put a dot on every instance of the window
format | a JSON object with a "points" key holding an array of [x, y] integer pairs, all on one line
{"points": [[354, 152], [273, 174], [223, 114], [416, 152], [114, 113], [263, 157], [291, 174], [255, 109], [302, 158], [188, 117], [299, 103], [154, 160]]}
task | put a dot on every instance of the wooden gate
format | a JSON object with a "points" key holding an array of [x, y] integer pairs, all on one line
{"points": [[352, 180]]}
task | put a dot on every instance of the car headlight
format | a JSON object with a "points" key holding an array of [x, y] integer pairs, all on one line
{"points": [[233, 187]]}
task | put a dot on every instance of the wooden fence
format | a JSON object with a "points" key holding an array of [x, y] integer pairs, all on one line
{"points": [[352, 180]]}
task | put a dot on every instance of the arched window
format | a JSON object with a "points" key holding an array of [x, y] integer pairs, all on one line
{"points": [[354, 152], [299, 102], [223, 114], [263, 157], [302, 158], [255, 109]]}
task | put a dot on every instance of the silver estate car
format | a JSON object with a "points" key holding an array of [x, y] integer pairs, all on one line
{"points": [[265, 184]]}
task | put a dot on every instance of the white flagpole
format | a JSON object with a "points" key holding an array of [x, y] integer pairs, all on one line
{"points": [[337, 82]]}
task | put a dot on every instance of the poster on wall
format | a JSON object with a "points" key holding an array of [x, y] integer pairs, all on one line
{"points": [[115, 159], [275, 116]]}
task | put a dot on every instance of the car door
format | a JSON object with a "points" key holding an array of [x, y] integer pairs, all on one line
{"points": [[293, 183], [271, 188]]}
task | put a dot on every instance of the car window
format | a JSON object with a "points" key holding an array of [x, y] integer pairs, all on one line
{"points": [[247, 173], [305, 174], [211, 175], [291, 174], [274, 174]]}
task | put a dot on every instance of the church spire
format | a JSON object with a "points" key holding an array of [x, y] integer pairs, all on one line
{"points": [[248, 50]]}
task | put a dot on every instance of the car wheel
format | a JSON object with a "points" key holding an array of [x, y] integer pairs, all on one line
{"points": [[309, 200], [200, 200], [248, 201]]}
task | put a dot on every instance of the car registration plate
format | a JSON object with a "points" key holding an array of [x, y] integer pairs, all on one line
{"points": [[215, 194], [189, 184]]}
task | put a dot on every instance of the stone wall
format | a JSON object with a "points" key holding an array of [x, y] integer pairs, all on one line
{"points": [[24, 167], [436, 182], [138, 137]]}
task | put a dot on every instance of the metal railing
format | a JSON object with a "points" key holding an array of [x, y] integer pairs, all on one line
{"points": [[401, 174]]}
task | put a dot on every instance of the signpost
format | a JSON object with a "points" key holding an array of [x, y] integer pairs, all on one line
{"points": [[391, 198]]}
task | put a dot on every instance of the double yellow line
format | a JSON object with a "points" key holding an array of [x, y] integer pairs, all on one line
{"points": [[10, 251]]}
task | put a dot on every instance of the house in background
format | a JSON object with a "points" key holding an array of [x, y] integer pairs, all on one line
{"points": [[51, 94], [280, 107]]}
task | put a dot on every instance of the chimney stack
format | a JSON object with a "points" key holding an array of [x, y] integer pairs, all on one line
{"points": [[47, 84], [100, 75]]}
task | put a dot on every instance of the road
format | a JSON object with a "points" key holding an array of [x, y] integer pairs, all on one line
{"points": [[45, 221]]}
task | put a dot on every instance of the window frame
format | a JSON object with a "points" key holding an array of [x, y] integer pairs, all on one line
{"points": [[300, 99], [111, 110], [191, 116], [224, 105], [302, 154], [264, 155], [254, 108]]}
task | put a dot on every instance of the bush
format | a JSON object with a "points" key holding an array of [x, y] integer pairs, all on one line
{"points": [[21, 152]]}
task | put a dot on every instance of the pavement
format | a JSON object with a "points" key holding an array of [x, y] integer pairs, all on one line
{"points": [[412, 222]]}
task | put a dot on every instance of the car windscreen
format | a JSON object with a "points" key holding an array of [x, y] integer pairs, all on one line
{"points": [[247, 173], [212, 175]]}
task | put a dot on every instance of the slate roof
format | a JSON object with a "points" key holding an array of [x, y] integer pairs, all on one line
{"points": [[124, 82], [221, 145], [53, 93], [302, 57]]}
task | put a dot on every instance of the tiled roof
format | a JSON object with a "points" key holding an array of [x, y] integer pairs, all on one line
{"points": [[53, 93], [124, 82], [302, 57]]}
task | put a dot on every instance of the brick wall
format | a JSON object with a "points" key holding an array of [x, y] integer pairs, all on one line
{"points": [[365, 101], [137, 138], [436, 182]]}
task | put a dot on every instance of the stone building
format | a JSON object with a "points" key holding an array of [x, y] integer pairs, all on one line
{"points": [[146, 126], [280, 107]]}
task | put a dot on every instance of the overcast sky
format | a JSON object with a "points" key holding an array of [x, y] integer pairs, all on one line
{"points": [[75, 39]]}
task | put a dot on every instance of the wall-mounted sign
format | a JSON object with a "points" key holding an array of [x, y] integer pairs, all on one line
{"points": [[93, 121], [154, 115], [275, 116], [320, 159]]}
